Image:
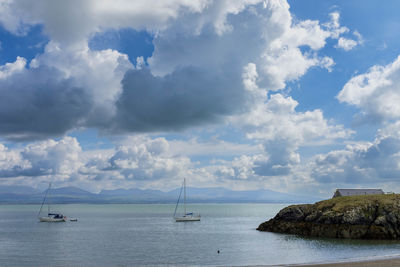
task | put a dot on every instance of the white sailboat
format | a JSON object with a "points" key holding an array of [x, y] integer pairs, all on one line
{"points": [[51, 217], [187, 216]]}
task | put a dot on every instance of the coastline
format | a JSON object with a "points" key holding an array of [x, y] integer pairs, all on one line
{"points": [[380, 261]]}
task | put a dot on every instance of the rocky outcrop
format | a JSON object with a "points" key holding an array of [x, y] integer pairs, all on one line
{"points": [[358, 217]]}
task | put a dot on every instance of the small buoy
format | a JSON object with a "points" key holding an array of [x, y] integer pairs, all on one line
{"points": [[218, 251]]}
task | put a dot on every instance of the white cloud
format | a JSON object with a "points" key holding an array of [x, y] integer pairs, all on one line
{"points": [[213, 62], [360, 39], [11, 159], [213, 146], [139, 162], [75, 86], [277, 118], [376, 92], [194, 74], [187, 63], [58, 159], [98, 72], [10, 18], [346, 44], [274, 122], [336, 31], [10, 68], [275, 51], [334, 25], [74, 21], [361, 163]]}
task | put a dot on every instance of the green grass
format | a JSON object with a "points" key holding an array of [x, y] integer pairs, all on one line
{"points": [[345, 203]]}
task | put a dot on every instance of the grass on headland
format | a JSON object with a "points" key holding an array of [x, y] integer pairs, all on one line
{"points": [[349, 202]]}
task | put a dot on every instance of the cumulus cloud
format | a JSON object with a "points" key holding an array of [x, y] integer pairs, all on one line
{"points": [[213, 61], [145, 159], [193, 77], [99, 73], [9, 69], [334, 25], [346, 44], [269, 30], [187, 97], [275, 123], [139, 161], [375, 92], [39, 103], [60, 90], [46, 158], [277, 119], [74, 21], [373, 162]]}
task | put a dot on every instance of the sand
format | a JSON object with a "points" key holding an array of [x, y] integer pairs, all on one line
{"points": [[371, 263]]}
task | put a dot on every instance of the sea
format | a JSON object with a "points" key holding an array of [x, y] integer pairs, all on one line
{"points": [[147, 235]]}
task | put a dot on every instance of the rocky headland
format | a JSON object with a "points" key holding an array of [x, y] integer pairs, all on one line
{"points": [[356, 217]]}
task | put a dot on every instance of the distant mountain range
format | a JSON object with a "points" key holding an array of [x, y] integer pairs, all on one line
{"points": [[25, 194]]}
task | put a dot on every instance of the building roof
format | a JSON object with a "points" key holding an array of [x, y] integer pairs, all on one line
{"points": [[349, 192]]}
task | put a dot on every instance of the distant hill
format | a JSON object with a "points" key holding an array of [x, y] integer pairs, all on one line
{"points": [[24, 194]]}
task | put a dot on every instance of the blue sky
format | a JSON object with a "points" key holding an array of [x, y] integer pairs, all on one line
{"points": [[292, 96]]}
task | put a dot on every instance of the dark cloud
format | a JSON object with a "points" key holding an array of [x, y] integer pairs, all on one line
{"points": [[17, 171], [188, 96], [281, 158], [194, 74], [38, 103], [203, 74]]}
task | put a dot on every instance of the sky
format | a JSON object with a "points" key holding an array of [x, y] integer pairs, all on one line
{"points": [[292, 96]]}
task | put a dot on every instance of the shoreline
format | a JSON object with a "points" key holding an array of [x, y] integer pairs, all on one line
{"points": [[384, 261]]}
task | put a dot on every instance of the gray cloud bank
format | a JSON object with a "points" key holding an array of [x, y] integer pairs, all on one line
{"points": [[38, 103], [194, 77], [187, 97]]}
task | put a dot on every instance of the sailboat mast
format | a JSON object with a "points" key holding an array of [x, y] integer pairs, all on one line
{"points": [[184, 187], [48, 202]]}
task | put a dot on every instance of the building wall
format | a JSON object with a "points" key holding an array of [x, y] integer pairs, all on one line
{"points": [[355, 192]]}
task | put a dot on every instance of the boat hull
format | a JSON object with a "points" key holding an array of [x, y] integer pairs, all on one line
{"points": [[187, 219], [50, 219]]}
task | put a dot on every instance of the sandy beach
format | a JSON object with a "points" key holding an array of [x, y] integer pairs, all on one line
{"points": [[372, 263]]}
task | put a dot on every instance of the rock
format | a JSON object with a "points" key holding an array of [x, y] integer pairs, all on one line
{"points": [[293, 213], [380, 221], [356, 217]]}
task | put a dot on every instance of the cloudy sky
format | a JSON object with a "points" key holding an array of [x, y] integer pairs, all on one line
{"points": [[293, 96]]}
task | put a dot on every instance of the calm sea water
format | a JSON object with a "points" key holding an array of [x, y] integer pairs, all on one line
{"points": [[137, 235]]}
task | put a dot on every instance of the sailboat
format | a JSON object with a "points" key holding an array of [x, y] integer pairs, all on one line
{"points": [[187, 216], [51, 217]]}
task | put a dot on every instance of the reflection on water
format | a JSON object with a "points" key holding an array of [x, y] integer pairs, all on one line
{"points": [[147, 235]]}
